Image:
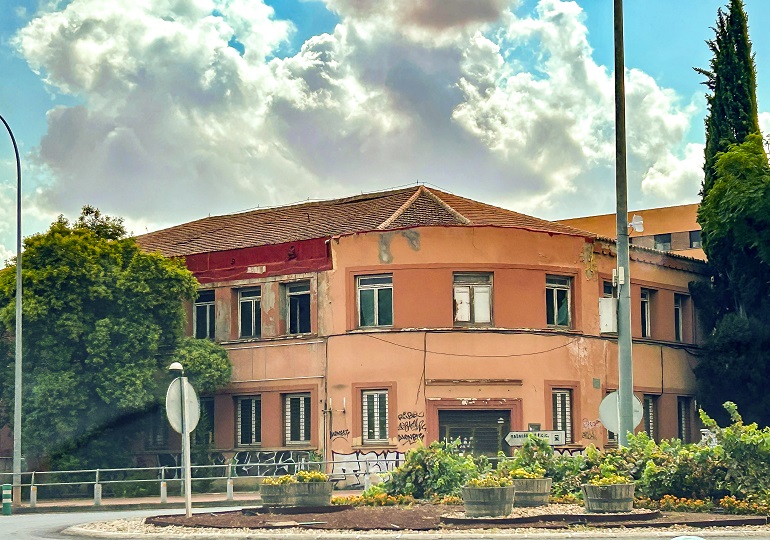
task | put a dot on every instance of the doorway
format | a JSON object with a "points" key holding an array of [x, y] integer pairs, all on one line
{"points": [[481, 432]]}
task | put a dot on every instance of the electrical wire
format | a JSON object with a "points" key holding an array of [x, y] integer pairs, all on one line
{"points": [[472, 355]]}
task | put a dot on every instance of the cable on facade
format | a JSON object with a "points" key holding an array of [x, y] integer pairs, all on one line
{"points": [[473, 355]]}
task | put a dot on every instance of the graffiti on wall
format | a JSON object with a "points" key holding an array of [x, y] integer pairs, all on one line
{"points": [[590, 429], [411, 426], [351, 468], [339, 434]]}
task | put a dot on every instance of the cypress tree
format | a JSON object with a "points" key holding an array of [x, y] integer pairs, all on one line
{"points": [[732, 103]]}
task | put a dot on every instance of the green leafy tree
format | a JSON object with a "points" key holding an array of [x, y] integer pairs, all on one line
{"points": [[732, 103], [734, 216], [102, 321]]}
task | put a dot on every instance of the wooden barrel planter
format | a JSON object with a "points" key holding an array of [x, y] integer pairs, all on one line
{"points": [[612, 498], [488, 501], [531, 491], [280, 494], [297, 494], [314, 493]]}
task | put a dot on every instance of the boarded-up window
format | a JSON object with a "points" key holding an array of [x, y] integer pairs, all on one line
{"points": [[562, 411], [249, 420], [297, 418], [374, 413]]}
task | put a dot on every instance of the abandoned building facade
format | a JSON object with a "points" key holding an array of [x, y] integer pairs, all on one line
{"points": [[358, 327]]}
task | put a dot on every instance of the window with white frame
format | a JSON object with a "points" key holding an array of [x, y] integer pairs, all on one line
{"points": [[203, 315], [678, 317], [562, 411], [375, 300], [374, 415], [297, 418], [650, 416], [248, 420], [558, 310], [249, 306], [473, 298], [684, 412], [298, 307], [645, 312], [156, 434]]}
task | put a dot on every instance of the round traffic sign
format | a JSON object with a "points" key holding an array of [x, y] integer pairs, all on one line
{"points": [[609, 412], [174, 405]]}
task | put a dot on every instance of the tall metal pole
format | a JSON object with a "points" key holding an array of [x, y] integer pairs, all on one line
{"points": [[186, 449], [625, 363], [17, 378]]}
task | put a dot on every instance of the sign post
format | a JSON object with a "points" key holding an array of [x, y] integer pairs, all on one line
{"points": [[183, 411]]}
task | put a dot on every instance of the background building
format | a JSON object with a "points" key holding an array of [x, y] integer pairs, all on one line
{"points": [[672, 228]]}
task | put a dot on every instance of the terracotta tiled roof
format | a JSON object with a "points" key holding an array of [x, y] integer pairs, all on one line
{"points": [[396, 209]]}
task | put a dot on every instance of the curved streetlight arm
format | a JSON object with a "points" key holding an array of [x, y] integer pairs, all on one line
{"points": [[17, 377]]}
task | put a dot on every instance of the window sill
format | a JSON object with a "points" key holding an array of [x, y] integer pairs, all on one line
{"points": [[272, 339], [372, 446]]}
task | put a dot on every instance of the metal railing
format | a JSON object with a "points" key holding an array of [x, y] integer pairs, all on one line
{"points": [[55, 483]]}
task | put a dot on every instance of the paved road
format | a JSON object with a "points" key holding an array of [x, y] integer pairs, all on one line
{"points": [[49, 526]]}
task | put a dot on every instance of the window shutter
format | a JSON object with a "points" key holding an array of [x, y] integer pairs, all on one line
{"points": [[481, 304]]}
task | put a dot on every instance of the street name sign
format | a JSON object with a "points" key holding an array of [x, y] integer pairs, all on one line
{"points": [[554, 437]]}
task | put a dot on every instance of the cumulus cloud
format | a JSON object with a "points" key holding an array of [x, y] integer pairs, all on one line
{"points": [[175, 122]]}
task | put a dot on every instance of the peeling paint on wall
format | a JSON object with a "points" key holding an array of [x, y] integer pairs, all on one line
{"points": [[587, 256], [412, 238]]}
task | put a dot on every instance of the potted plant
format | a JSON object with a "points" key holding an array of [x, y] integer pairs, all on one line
{"points": [[305, 488], [488, 495], [531, 486], [608, 492]]}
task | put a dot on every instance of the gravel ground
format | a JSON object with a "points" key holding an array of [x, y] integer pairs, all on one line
{"points": [[137, 529]]}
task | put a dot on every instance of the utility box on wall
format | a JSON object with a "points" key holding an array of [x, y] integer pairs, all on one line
{"points": [[608, 315]]}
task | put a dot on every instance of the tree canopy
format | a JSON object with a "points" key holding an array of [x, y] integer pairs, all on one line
{"points": [[102, 320], [732, 103]]}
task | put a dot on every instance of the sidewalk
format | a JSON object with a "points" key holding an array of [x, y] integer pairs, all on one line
{"points": [[199, 500]]}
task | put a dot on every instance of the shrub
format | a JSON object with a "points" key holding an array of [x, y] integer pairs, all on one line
{"points": [[279, 480], [374, 496], [437, 469]]}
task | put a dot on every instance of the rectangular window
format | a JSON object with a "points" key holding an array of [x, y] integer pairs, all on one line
{"points": [[375, 300], [204, 432], [663, 242], [695, 241], [645, 313], [557, 301], [203, 315], [298, 302], [562, 411], [650, 403], [374, 413], [249, 304], [678, 316], [156, 435], [608, 291], [473, 298], [249, 420], [684, 408], [297, 418]]}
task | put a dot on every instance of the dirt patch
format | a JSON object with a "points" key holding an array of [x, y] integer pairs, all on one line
{"points": [[425, 517]]}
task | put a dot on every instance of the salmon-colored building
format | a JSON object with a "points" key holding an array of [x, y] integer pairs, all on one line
{"points": [[357, 327], [670, 228]]}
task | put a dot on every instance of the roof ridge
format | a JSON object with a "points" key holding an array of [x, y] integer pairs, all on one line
{"points": [[400, 211], [464, 220]]}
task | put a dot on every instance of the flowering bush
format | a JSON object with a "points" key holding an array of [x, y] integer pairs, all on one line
{"points": [[669, 503], [311, 476], [279, 480], [300, 477], [732, 505], [489, 480], [609, 480], [521, 472]]}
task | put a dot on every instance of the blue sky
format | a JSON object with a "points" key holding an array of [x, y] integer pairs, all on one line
{"points": [[163, 112]]}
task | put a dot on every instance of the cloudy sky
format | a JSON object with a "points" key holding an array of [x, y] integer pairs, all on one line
{"points": [[164, 111]]}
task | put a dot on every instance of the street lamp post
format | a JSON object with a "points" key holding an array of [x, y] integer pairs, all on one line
{"points": [[17, 377], [625, 363]]}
